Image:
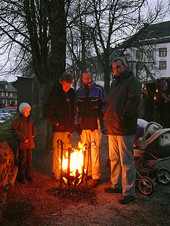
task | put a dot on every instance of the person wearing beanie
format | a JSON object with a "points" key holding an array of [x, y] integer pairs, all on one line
{"points": [[23, 131], [24, 105]]}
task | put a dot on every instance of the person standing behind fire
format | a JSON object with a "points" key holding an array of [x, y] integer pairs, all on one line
{"points": [[121, 122], [60, 112], [90, 109], [165, 93]]}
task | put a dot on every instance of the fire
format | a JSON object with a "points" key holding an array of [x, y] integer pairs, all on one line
{"points": [[76, 166]]}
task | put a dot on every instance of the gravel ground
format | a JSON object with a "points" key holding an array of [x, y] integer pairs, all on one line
{"points": [[39, 203]]}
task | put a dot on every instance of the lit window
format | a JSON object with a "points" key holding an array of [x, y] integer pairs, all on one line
{"points": [[162, 65], [6, 94], [162, 52]]}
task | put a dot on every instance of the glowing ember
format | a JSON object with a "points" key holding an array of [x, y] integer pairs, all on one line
{"points": [[76, 166]]}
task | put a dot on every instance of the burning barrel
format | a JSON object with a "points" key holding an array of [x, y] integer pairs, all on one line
{"points": [[73, 165]]}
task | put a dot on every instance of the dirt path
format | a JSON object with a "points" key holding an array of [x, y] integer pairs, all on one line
{"points": [[39, 203]]}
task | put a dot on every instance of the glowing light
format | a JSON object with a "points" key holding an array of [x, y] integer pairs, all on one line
{"points": [[76, 165]]}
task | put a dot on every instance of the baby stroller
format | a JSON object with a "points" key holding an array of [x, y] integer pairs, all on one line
{"points": [[152, 157]]}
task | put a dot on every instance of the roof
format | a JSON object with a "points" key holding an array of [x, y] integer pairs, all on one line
{"points": [[160, 30], [150, 34], [11, 88]]}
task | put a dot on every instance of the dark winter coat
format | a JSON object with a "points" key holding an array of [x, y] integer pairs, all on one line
{"points": [[124, 99], [90, 105], [23, 128], [59, 109]]}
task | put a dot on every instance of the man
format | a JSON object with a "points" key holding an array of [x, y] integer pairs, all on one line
{"points": [[60, 111], [121, 122], [90, 109]]}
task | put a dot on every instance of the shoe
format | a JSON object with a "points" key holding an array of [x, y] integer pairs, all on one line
{"points": [[112, 190], [127, 200], [94, 183], [22, 181]]}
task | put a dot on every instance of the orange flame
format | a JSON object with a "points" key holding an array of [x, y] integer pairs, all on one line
{"points": [[76, 164]]}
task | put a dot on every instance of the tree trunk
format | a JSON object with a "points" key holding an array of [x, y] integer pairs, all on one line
{"points": [[57, 20], [106, 78], [106, 69]]}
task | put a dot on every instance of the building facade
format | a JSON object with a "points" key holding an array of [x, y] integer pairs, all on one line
{"points": [[8, 94], [149, 54]]}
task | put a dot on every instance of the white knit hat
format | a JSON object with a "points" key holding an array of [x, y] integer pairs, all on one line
{"points": [[23, 105]]}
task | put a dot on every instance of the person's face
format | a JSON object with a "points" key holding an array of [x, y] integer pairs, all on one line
{"points": [[26, 112], [117, 67], [66, 85], [86, 78]]}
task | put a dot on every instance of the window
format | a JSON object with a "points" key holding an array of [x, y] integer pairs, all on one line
{"points": [[11, 94], [6, 94], [139, 54], [162, 65], [162, 52], [2, 94]]}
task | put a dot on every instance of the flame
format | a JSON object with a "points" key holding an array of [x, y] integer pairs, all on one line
{"points": [[76, 165]]}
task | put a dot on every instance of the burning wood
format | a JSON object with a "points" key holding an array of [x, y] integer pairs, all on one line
{"points": [[73, 171]]}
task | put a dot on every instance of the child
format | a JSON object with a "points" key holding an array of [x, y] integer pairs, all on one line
{"points": [[23, 130]]}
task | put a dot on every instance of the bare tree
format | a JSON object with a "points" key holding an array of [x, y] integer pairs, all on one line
{"points": [[37, 30], [78, 40], [114, 22]]}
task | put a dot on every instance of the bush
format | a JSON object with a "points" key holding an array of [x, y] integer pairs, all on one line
{"points": [[5, 133]]}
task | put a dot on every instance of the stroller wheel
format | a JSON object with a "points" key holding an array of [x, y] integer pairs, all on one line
{"points": [[163, 176], [146, 186]]}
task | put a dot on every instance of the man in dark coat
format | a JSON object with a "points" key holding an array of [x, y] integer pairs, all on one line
{"points": [[60, 111], [121, 122]]}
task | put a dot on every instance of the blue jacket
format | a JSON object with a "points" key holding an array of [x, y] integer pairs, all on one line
{"points": [[90, 105]]}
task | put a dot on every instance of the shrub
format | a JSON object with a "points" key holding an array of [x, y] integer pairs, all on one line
{"points": [[5, 133]]}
